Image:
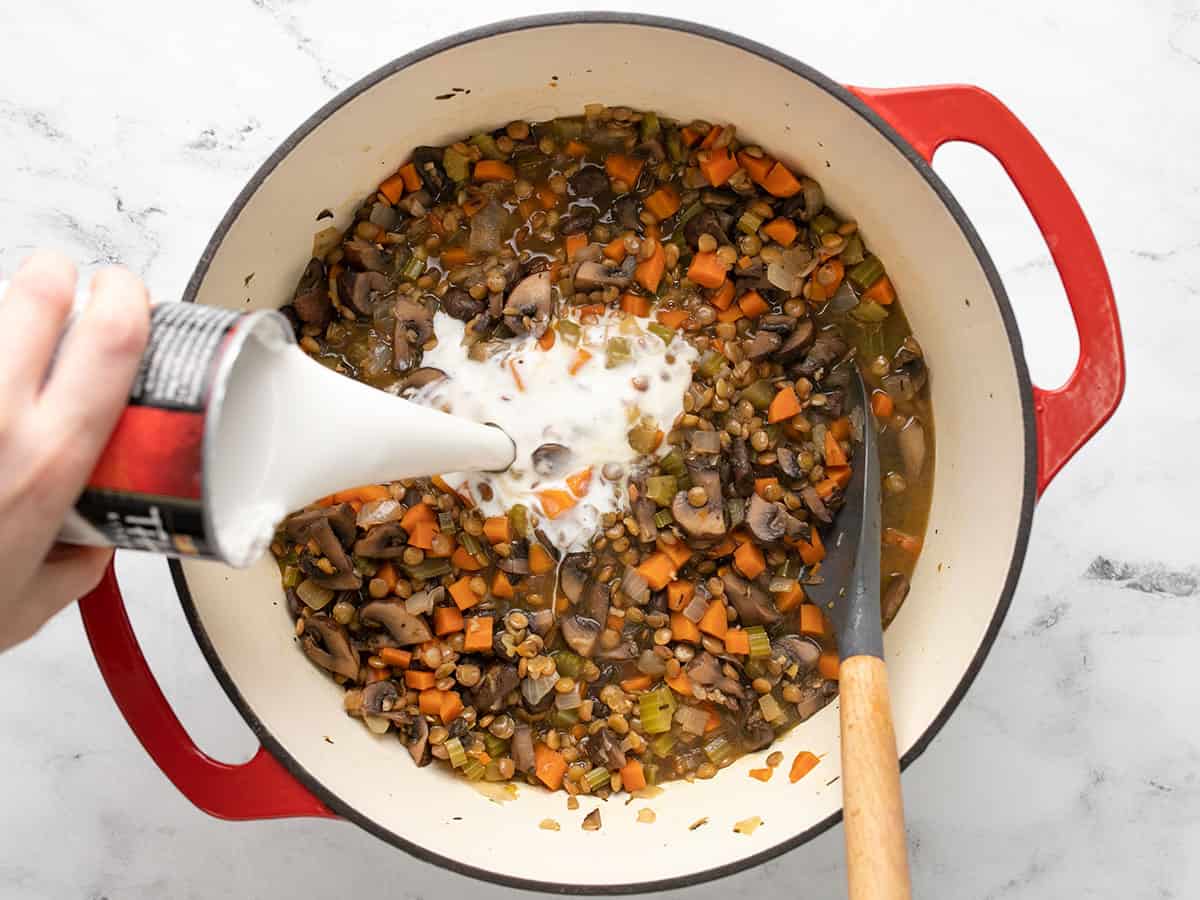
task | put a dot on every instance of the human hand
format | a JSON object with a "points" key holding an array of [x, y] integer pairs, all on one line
{"points": [[53, 429]]}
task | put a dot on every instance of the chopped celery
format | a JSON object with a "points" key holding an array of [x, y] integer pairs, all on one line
{"points": [[822, 224], [650, 127], [672, 463], [597, 778], [413, 268], [569, 330], [291, 576], [364, 566], [736, 508], [663, 518], [657, 707], [770, 707], [675, 148], [869, 311], [711, 363], [487, 146], [667, 334], [650, 771], [760, 394], [456, 753], [429, 568], [457, 166], [691, 212], [853, 253], [774, 433], [564, 718], [871, 343], [790, 567], [446, 523], [719, 750], [750, 222], [617, 353], [866, 273], [495, 746], [518, 519], [663, 744], [471, 543], [662, 489], [568, 664], [492, 772], [567, 129], [474, 769], [760, 644]]}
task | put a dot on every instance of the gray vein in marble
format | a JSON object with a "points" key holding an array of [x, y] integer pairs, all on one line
{"points": [[1150, 578], [1184, 39], [330, 77], [221, 141]]}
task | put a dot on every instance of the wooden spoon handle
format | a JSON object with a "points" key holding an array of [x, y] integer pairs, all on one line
{"points": [[876, 847]]}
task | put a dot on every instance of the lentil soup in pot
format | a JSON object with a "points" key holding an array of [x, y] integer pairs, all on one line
{"points": [[662, 316]]}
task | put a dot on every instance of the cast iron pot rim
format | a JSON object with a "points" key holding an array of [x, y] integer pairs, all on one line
{"points": [[333, 801]]}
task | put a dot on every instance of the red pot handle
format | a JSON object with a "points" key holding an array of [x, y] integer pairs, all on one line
{"points": [[928, 117], [258, 789]]}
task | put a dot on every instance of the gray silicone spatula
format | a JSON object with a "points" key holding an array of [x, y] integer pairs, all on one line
{"points": [[876, 849]]}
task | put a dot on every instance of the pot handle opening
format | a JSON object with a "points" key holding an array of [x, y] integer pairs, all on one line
{"points": [[258, 789], [928, 117]]}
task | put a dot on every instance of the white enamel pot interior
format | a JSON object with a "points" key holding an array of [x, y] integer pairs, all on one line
{"points": [[538, 69]]}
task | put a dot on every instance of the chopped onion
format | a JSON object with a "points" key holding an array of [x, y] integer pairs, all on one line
{"points": [[569, 700], [313, 594], [912, 448], [857, 420], [325, 240], [781, 585], [770, 707], [695, 610], [635, 586], [691, 719], [534, 690], [650, 663], [376, 512], [843, 299], [419, 603], [522, 748], [485, 229], [706, 442]]}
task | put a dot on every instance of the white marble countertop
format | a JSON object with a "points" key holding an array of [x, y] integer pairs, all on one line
{"points": [[1071, 770]]}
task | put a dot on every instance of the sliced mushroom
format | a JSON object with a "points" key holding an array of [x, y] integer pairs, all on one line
{"points": [[797, 342], [414, 326], [767, 521], [573, 575], [364, 256], [779, 323], [499, 680], [533, 303], [588, 181], [801, 652], [596, 601], [418, 741], [704, 669], [623, 652], [373, 641], [625, 212], [311, 300], [908, 376], [541, 621], [344, 577], [764, 344], [359, 289], [743, 474], [707, 221], [522, 748], [815, 504], [386, 541], [326, 643], [550, 460], [827, 349], [340, 516], [379, 698], [785, 456], [755, 732], [578, 220], [707, 521], [428, 162], [591, 276], [807, 203], [419, 378], [404, 626], [461, 305], [644, 511], [581, 634], [753, 604], [604, 749], [894, 596]]}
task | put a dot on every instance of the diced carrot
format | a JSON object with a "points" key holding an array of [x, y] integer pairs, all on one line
{"points": [[839, 475], [635, 304], [737, 640], [555, 502], [325, 501], [395, 657], [672, 318], [812, 620], [706, 270], [430, 702], [412, 179], [452, 257], [828, 664], [549, 766], [365, 493], [494, 170], [579, 482], [834, 454], [812, 552], [827, 487], [760, 487], [392, 188], [840, 428], [723, 296], [681, 683], [758, 166], [374, 674], [786, 601], [575, 243], [462, 595], [730, 315], [679, 553], [636, 683], [448, 619], [649, 272], [623, 168], [689, 136], [419, 681], [881, 292], [591, 309], [724, 548], [527, 207], [575, 148], [907, 542], [546, 341], [784, 405], [633, 778], [540, 560], [780, 182], [452, 707], [463, 493], [422, 535], [658, 570], [614, 621], [548, 199], [679, 594], [804, 763], [752, 304], [748, 560], [512, 367], [497, 530], [826, 280], [664, 202], [616, 250], [782, 231], [744, 262], [763, 774], [474, 204], [714, 720], [683, 629], [719, 167], [714, 621], [387, 574], [580, 360], [711, 138], [462, 558], [478, 636], [882, 404], [501, 586]]}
